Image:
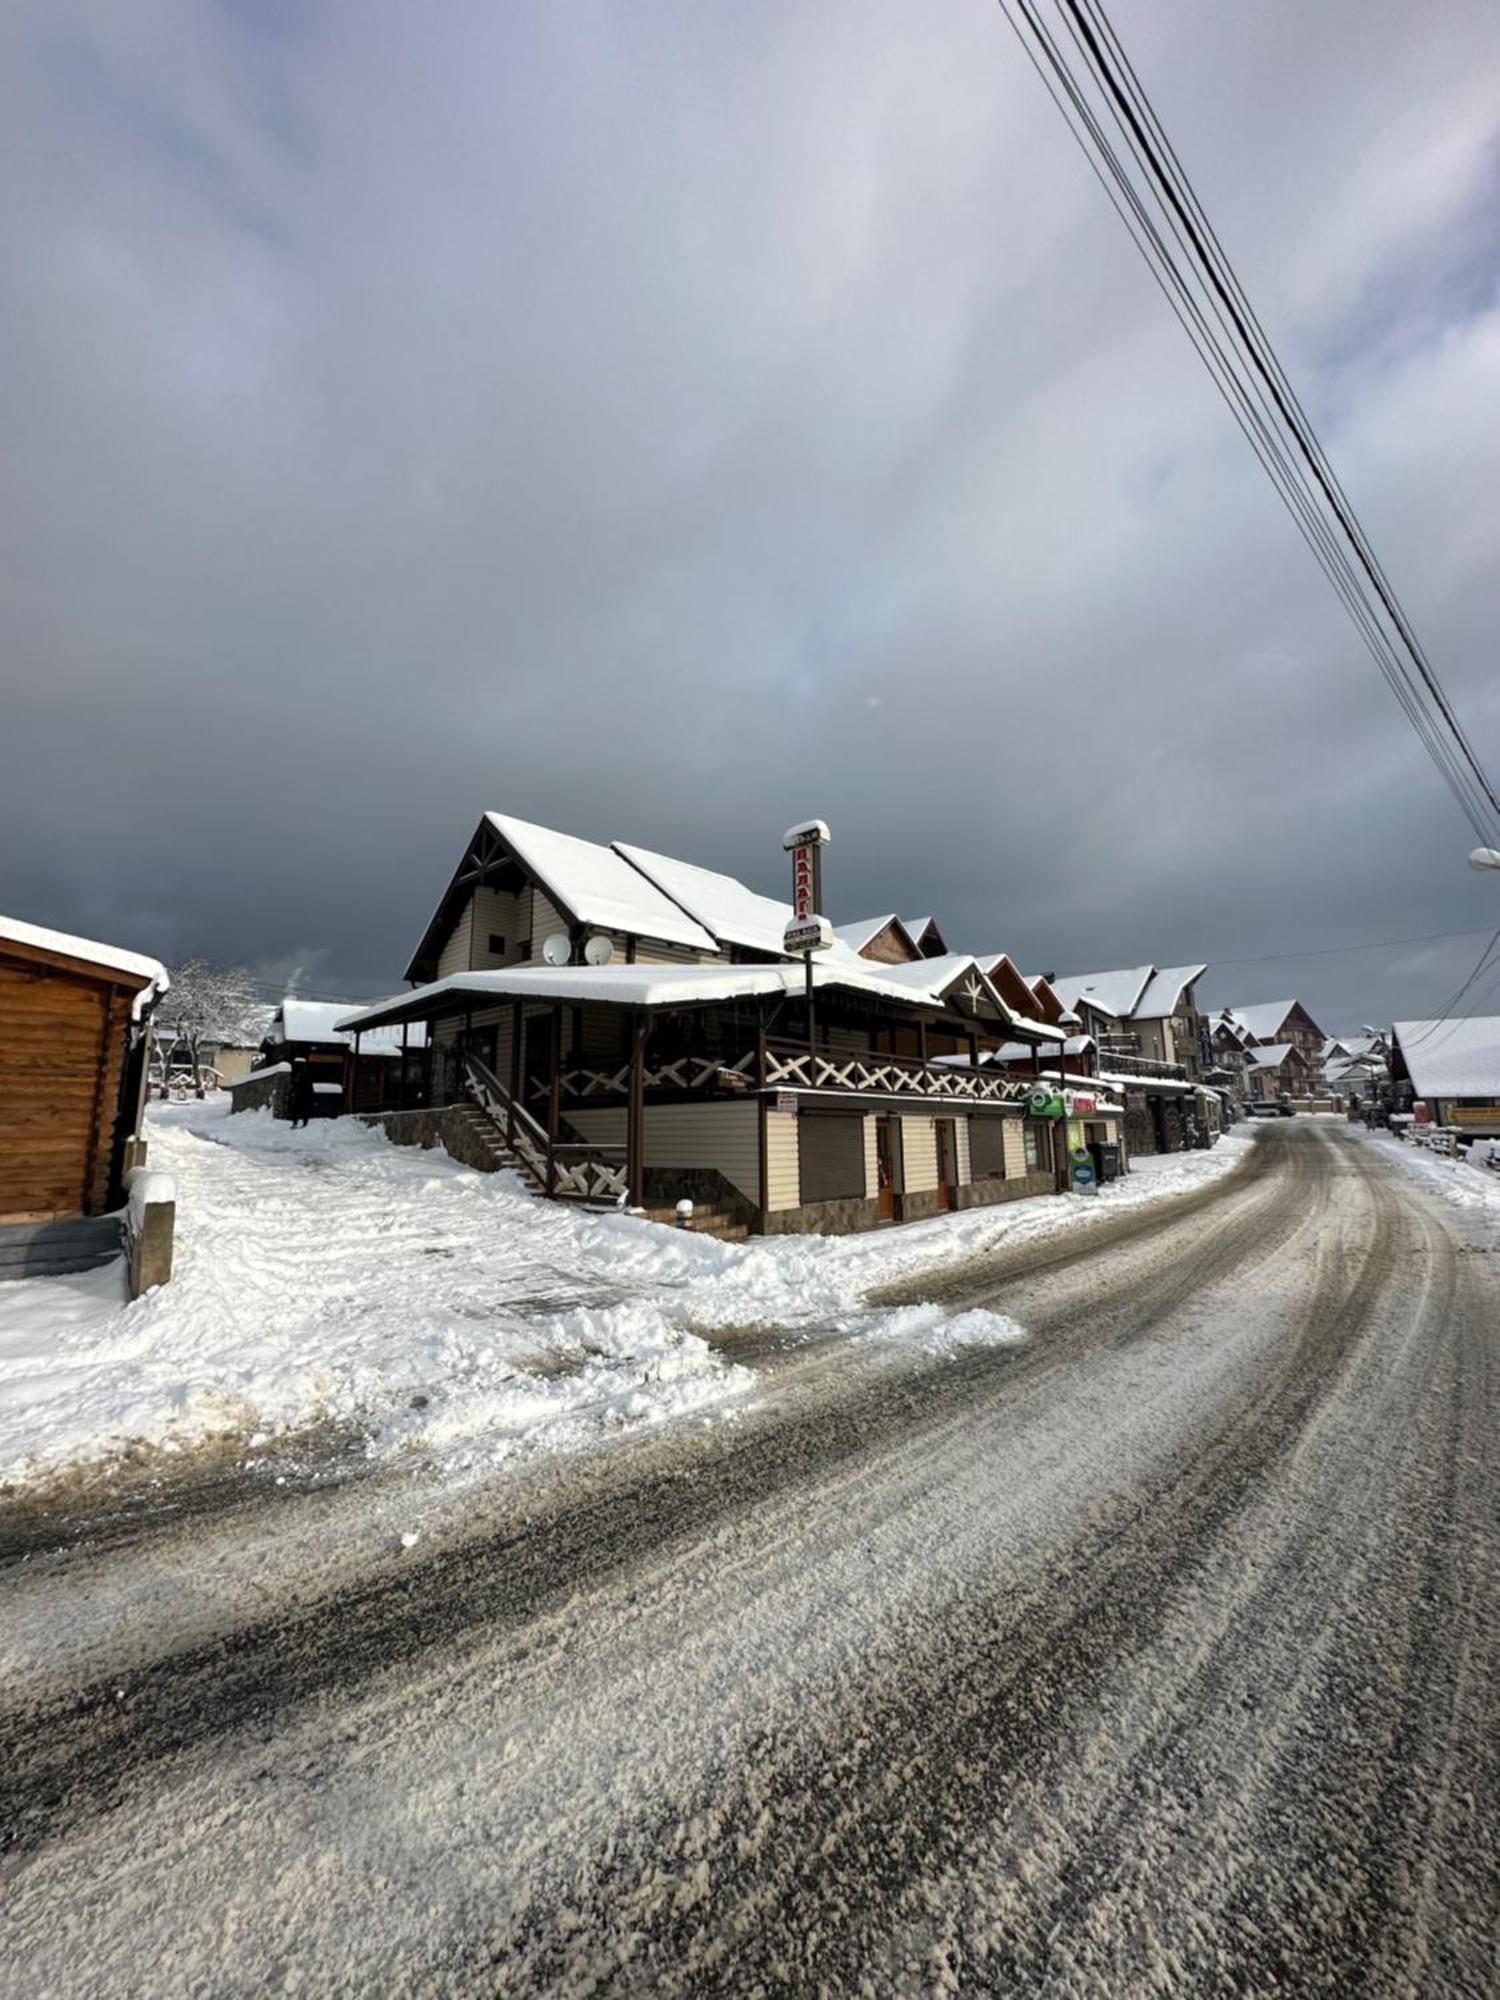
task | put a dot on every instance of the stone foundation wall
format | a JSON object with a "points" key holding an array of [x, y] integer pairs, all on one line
{"points": [[666, 1186], [918, 1205], [269, 1095], [985, 1193], [822, 1218], [444, 1125]]}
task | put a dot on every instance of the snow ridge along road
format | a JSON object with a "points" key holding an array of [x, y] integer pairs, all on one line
{"points": [[1155, 1653]]}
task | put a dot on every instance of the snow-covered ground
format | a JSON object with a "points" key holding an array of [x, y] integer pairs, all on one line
{"points": [[326, 1277], [1467, 1183]]}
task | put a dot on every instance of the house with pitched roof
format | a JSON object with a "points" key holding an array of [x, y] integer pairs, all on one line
{"points": [[1147, 1029], [621, 1024], [1270, 1023]]}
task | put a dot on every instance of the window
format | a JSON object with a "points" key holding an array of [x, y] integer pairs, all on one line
{"points": [[523, 949], [1038, 1147], [986, 1148], [497, 946]]}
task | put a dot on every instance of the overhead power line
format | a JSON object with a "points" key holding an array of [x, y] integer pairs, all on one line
{"points": [[1089, 77], [1370, 944]]}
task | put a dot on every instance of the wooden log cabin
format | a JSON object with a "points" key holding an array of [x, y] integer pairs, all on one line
{"points": [[630, 1027], [74, 1032]]}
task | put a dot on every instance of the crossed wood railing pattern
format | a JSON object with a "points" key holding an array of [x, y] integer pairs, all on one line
{"points": [[890, 1075], [685, 1073], [569, 1171]]}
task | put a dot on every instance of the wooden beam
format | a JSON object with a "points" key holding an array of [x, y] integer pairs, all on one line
{"points": [[517, 1026], [554, 1095], [635, 1113]]}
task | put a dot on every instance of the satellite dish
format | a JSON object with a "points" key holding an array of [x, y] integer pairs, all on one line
{"points": [[557, 949], [599, 950]]}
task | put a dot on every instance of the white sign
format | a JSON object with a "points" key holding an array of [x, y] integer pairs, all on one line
{"points": [[786, 1100], [807, 934], [812, 833]]}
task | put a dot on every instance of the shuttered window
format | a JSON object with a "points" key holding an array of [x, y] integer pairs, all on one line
{"points": [[986, 1147], [831, 1155]]}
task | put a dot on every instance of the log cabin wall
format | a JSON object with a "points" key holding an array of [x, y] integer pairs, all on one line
{"points": [[64, 1038]]}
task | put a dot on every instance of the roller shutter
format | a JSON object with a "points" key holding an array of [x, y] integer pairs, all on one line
{"points": [[831, 1155], [987, 1148]]}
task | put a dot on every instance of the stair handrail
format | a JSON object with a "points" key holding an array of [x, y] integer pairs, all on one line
{"points": [[484, 1082]]}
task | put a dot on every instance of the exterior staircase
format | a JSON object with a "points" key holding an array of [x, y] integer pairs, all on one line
{"points": [[485, 1145], [59, 1249]]}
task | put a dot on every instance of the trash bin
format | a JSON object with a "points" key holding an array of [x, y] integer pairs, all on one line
{"points": [[1106, 1161]]}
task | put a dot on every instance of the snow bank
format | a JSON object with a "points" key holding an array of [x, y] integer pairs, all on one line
{"points": [[324, 1276], [1468, 1183]]}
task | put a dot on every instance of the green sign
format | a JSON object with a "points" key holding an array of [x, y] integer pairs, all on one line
{"points": [[1045, 1103]]}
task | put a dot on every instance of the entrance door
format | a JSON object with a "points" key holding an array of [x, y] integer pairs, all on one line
{"points": [[887, 1165], [947, 1161]]}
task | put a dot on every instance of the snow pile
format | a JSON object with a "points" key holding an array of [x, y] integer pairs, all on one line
{"points": [[326, 1277], [1465, 1181]]}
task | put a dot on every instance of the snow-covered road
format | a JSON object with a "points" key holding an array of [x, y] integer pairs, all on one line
{"points": [[1154, 1653], [331, 1284]]}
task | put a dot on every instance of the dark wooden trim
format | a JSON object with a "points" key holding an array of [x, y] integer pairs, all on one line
{"points": [[554, 1094], [91, 1159], [635, 1113], [516, 1024]]}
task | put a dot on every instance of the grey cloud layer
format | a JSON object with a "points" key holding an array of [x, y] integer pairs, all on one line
{"points": [[666, 421]]}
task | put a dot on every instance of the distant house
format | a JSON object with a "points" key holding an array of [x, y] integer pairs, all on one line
{"points": [[926, 936], [1151, 1041], [74, 1044], [1272, 1022], [391, 1071], [1280, 1070], [1453, 1066]]}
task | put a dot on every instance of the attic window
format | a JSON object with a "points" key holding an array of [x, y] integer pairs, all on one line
{"points": [[497, 946]]}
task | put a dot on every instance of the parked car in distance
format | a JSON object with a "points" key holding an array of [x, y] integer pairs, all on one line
{"points": [[1272, 1108]]}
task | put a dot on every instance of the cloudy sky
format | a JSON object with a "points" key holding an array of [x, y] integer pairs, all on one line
{"points": [[666, 420]]}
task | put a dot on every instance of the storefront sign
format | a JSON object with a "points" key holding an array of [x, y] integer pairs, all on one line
{"points": [[805, 844], [1044, 1102], [786, 1100], [807, 934], [1082, 1103]]}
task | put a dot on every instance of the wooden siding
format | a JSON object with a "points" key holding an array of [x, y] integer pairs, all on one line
{"points": [[872, 1160], [63, 1040], [725, 1137], [961, 1150], [919, 1150], [454, 956], [781, 1159], [1015, 1150]]}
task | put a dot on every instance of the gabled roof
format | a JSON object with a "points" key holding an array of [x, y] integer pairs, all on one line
{"points": [[1452, 1058], [1013, 986], [925, 935], [1164, 991], [722, 906], [867, 929], [598, 885], [1114, 993], [147, 977], [1267, 1017], [1272, 1055]]}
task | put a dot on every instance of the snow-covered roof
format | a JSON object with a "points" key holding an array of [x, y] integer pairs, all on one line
{"points": [[150, 971], [1452, 1058], [1075, 1045], [597, 884], [925, 982], [1164, 990], [721, 907], [1114, 993], [1271, 1055], [318, 1021], [1264, 1019], [915, 927], [858, 935]]}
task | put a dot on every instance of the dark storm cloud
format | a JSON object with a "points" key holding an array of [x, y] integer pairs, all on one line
{"points": [[666, 421]]}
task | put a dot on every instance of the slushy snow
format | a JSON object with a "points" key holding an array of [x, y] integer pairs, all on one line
{"points": [[327, 1277]]}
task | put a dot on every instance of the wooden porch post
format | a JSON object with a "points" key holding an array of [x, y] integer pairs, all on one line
{"points": [[760, 1046], [635, 1114], [554, 1095], [354, 1075], [922, 1041], [516, 1024], [405, 1029]]}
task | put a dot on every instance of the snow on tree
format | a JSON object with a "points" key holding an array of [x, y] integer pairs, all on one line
{"points": [[208, 1003]]}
